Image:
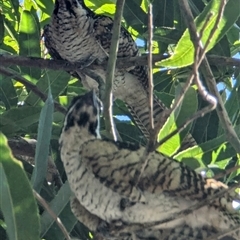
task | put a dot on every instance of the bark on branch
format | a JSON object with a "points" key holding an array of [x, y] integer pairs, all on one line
{"points": [[8, 60]]}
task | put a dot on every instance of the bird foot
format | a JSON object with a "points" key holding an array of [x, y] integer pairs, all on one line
{"points": [[110, 229]]}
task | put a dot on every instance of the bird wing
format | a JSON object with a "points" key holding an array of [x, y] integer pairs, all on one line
{"points": [[117, 166]]}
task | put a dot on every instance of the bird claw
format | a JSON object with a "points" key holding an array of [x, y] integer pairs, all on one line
{"points": [[103, 228], [109, 229]]}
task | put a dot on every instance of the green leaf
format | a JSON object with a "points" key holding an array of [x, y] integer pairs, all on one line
{"points": [[11, 38], [205, 127], [58, 82], [57, 205], [184, 51], [43, 142], [128, 132], [178, 117], [11, 8], [233, 103], [210, 152], [28, 4], [135, 16], [15, 4], [29, 40], [18, 119], [68, 220], [7, 92], [17, 202], [1, 28], [46, 6]]}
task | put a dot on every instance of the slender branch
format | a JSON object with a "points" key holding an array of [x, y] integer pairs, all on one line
{"points": [[150, 72], [52, 214], [23, 147], [107, 102], [122, 63], [144, 158], [216, 24], [198, 114], [32, 87], [228, 171], [221, 111], [201, 32], [223, 61]]}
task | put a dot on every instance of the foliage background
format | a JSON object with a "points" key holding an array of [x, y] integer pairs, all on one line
{"points": [[23, 113]]}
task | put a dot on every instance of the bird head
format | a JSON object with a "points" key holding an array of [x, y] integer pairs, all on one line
{"points": [[83, 115]]}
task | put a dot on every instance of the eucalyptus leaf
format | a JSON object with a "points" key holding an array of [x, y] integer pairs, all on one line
{"points": [[186, 109], [43, 143], [57, 205], [17, 202], [29, 40]]}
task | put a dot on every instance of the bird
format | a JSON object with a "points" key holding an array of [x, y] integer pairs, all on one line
{"points": [[78, 35], [101, 174]]}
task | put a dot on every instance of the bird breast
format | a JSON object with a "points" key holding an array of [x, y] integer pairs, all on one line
{"points": [[74, 39]]}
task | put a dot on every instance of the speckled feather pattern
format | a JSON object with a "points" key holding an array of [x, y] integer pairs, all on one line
{"points": [[101, 176]]}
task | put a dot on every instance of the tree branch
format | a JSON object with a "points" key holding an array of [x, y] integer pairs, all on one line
{"points": [[107, 101], [8, 60]]}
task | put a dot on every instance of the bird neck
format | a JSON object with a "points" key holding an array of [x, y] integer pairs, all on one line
{"points": [[75, 136]]}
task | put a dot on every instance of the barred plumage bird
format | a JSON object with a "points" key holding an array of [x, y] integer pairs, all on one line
{"points": [[77, 34], [102, 174]]}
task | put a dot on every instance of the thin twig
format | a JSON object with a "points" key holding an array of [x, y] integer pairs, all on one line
{"points": [[52, 214], [223, 61], [150, 72], [32, 87], [221, 111], [144, 158], [198, 114], [216, 24], [220, 175], [107, 102], [201, 32]]}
